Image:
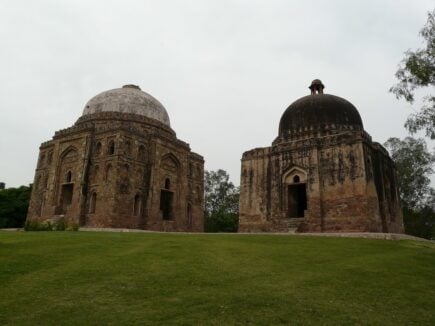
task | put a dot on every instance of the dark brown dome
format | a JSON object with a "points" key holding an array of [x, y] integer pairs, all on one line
{"points": [[319, 112]]}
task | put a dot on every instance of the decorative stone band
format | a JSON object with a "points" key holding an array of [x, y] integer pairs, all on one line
{"points": [[129, 117]]}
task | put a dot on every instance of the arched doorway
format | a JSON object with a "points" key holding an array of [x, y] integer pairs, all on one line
{"points": [[166, 198], [295, 193], [66, 178]]}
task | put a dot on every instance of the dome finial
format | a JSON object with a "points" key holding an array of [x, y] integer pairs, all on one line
{"points": [[131, 86], [316, 87]]}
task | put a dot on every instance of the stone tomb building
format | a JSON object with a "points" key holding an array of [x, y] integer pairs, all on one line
{"points": [[120, 165], [323, 173]]}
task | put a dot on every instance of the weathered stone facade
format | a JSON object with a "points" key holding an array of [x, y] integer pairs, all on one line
{"points": [[120, 165], [322, 173]]}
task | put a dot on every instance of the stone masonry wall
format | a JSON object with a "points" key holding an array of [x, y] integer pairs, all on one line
{"points": [[113, 165], [340, 195]]}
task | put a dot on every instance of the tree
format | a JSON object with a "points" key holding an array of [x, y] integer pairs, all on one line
{"points": [[420, 222], [221, 211], [13, 206], [414, 166], [417, 70]]}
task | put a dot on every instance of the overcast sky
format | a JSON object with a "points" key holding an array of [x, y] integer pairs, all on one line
{"points": [[224, 70]]}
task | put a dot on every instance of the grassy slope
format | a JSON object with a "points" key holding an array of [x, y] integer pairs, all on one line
{"points": [[130, 278]]}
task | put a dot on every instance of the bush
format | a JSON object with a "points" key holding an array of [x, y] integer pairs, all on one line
{"points": [[221, 222], [420, 223], [59, 225], [35, 225]]}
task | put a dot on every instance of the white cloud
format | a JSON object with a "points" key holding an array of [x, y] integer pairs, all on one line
{"points": [[225, 70]]}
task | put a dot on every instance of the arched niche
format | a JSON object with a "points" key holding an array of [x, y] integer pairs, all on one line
{"points": [[66, 176], [169, 177], [69, 154], [111, 147], [170, 163], [295, 173]]}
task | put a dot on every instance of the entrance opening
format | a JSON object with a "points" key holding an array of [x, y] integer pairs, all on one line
{"points": [[137, 205], [166, 197], [297, 200], [189, 214], [66, 196]]}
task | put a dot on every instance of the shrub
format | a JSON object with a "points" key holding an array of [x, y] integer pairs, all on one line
{"points": [[35, 225], [59, 225], [221, 222], [420, 223]]}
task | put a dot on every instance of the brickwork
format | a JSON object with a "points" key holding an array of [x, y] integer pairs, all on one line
{"points": [[110, 170], [330, 174]]}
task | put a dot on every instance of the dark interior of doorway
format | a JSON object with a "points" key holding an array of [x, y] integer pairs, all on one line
{"points": [[66, 196], [166, 198], [297, 200]]}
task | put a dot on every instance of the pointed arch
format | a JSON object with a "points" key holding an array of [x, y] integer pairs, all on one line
{"points": [[295, 173], [69, 152], [66, 174], [167, 184], [170, 161], [111, 147], [294, 193]]}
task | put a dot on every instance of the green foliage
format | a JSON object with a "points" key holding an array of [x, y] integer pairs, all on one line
{"points": [[49, 225], [221, 222], [420, 223], [60, 225], [106, 278], [35, 225], [417, 70], [221, 211], [13, 206], [414, 166]]}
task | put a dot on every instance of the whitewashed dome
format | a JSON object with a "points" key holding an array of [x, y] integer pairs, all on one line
{"points": [[128, 99]]}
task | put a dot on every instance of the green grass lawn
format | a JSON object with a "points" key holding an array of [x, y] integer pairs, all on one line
{"points": [[52, 278]]}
